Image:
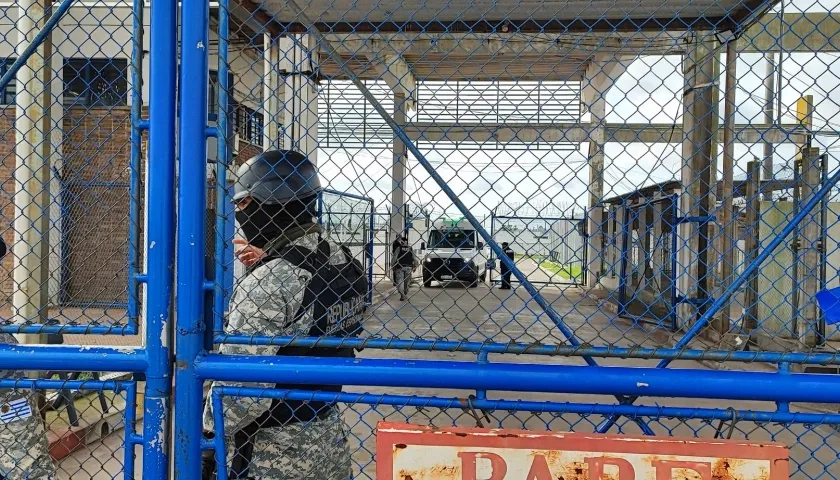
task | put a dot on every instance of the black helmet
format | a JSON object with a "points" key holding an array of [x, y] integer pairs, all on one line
{"points": [[276, 177]]}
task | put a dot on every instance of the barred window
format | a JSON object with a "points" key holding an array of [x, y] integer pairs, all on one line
{"points": [[249, 124], [7, 95], [213, 95], [95, 82]]}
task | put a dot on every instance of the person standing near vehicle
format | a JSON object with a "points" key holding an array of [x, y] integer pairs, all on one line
{"points": [[296, 283], [404, 264], [504, 269]]}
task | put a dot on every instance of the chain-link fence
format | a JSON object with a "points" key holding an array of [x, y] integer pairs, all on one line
{"points": [[74, 231], [72, 165], [347, 443], [549, 250], [664, 174], [679, 174], [69, 426]]}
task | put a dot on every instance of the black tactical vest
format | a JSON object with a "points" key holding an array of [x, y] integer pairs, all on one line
{"points": [[337, 296]]}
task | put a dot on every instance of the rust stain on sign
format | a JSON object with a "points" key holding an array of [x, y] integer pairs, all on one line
{"points": [[408, 452]]}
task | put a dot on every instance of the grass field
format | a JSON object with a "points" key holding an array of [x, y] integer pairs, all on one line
{"points": [[569, 272]]}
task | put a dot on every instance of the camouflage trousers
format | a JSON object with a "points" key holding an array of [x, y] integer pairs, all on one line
{"points": [[315, 450], [402, 277]]}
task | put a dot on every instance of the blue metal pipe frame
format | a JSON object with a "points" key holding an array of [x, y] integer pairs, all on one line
{"points": [[223, 247], [523, 377], [129, 388], [8, 76], [134, 217], [192, 198], [219, 440], [192, 366], [154, 362], [533, 349], [656, 411], [161, 233], [491, 405]]}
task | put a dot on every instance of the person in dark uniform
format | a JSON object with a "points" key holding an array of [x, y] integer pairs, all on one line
{"points": [[504, 269], [404, 264]]}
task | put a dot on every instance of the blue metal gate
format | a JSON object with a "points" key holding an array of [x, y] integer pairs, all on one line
{"points": [[453, 77]]}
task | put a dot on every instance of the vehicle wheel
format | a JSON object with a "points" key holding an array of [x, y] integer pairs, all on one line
{"points": [[427, 279], [484, 277], [474, 283]]}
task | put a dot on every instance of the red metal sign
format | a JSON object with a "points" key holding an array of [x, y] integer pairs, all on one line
{"points": [[408, 452]]}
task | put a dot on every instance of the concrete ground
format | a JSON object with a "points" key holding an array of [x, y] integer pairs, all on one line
{"points": [[479, 314], [101, 460]]}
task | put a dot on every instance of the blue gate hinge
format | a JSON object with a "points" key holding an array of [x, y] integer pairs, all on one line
{"points": [[701, 220], [697, 302]]}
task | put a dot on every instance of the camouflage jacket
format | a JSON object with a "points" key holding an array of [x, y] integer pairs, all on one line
{"points": [[265, 302]]}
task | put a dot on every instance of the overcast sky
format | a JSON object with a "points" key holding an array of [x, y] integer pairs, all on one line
{"points": [[648, 92]]}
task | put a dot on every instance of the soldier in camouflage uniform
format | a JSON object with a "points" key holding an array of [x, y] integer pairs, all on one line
{"points": [[24, 449], [275, 198]]}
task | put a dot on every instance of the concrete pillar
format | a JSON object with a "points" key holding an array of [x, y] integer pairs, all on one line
{"points": [[727, 241], [397, 221], [600, 76], [595, 244], [299, 110], [769, 98], [808, 254], [30, 247], [699, 66], [657, 251], [273, 89]]}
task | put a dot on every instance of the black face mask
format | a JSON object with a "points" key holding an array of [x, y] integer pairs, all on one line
{"points": [[258, 224], [263, 223]]}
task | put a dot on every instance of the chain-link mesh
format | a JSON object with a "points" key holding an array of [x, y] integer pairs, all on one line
{"points": [[76, 425], [346, 428], [594, 140], [663, 177], [664, 192], [72, 161], [72, 166], [348, 220]]}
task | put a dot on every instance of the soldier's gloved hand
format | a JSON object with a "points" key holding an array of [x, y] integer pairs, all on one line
{"points": [[247, 254]]}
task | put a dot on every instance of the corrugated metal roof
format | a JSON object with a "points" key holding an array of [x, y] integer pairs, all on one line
{"points": [[532, 15]]}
